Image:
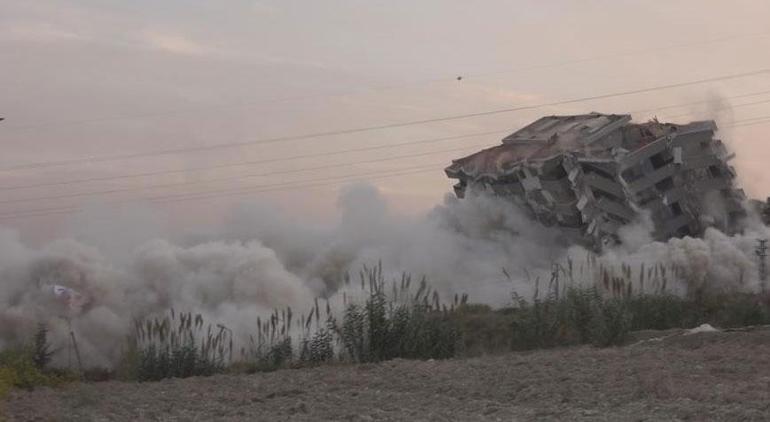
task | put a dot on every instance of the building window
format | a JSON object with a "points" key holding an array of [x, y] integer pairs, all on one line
{"points": [[556, 174], [588, 169], [661, 159], [676, 209], [683, 231], [632, 174], [598, 194], [665, 184]]}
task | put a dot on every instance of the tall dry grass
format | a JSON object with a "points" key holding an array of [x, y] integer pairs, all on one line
{"points": [[177, 345], [380, 319]]}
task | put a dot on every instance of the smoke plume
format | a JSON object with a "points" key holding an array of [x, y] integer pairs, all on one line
{"points": [[260, 260]]}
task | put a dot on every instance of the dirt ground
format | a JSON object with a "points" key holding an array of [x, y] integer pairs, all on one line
{"points": [[707, 376]]}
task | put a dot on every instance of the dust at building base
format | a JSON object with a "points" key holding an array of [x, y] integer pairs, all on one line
{"points": [[591, 174]]}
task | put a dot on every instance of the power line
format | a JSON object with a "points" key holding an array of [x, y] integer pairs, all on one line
{"points": [[252, 162], [749, 119], [724, 107], [732, 97], [291, 185], [231, 178], [751, 122], [383, 126], [273, 173], [387, 87], [41, 212], [332, 153], [256, 188]]}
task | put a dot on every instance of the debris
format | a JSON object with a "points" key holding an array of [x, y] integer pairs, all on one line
{"points": [[591, 174], [703, 328]]}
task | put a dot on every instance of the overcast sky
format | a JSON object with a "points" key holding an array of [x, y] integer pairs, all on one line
{"points": [[88, 78]]}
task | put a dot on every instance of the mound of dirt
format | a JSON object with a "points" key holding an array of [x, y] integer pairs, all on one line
{"points": [[703, 376]]}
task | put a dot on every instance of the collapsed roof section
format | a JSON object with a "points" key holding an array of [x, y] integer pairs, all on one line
{"points": [[590, 174]]}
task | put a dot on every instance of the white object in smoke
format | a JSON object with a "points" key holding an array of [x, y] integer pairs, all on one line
{"points": [[703, 328], [74, 300], [62, 292], [677, 155]]}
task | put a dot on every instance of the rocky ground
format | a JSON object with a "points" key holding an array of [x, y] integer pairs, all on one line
{"points": [[706, 376]]}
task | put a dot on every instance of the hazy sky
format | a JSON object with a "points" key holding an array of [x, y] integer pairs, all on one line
{"points": [[88, 78]]}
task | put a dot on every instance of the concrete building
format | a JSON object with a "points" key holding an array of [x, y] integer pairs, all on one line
{"points": [[590, 174]]}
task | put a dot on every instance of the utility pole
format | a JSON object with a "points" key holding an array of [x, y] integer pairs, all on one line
{"points": [[761, 252]]}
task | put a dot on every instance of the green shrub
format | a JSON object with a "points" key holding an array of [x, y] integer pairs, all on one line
{"points": [[18, 369], [579, 312], [272, 349], [661, 312], [319, 348], [7, 380], [482, 330], [26, 366], [535, 325], [353, 333], [416, 325], [573, 316], [610, 323], [41, 349], [172, 347], [404, 326], [736, 311]]}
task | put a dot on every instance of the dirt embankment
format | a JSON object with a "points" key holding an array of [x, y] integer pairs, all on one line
{"points": [[707, 376]]}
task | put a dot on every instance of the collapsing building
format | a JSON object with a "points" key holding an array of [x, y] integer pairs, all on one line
{"points": [[591, 174]]}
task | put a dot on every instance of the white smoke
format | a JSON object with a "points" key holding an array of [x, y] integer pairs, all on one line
{"points": [[261, 261]]}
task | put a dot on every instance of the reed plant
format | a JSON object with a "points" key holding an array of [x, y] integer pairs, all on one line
{"points": [[381, 319], [178, 345]]}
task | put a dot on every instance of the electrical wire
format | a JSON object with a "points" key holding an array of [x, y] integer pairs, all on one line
{"points": [[384, 126], [337, 152], [236, 192], [235, 177], [259, 188], [252, 162]]}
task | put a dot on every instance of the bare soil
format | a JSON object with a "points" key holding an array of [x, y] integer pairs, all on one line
{"points": [[707, 376]]}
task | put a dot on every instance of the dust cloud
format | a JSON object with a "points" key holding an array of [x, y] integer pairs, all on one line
{"points": [[261, 260]]}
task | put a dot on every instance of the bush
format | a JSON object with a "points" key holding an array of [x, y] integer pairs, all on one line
{"points": [[536, 325], [319, 348], [26, 366], [177, 348], [18, 369], [735, 311], [41, 349], [610, 323], [7, 380], [482, 330], [412, 327], [574, 316], [661, 312], [273, 349]]}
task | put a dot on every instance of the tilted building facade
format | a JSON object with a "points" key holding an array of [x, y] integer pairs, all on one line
{"points": [[591, 174]]}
